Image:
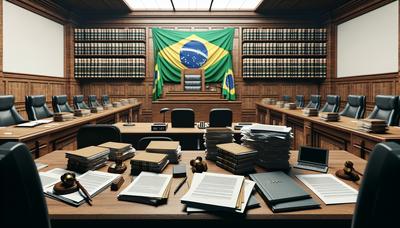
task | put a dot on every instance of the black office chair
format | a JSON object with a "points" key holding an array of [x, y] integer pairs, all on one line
{"points": [[332, 104], [21, 195], [386, 108], [380, 188], [36, 107], [60, 104], [96, 134], [182, 117], [355, 107], [8, 114], [220, 117], [144, 142], [286, 98], [92, 100], [315, 101], [105, 100], [79, 103], [300, 101]]}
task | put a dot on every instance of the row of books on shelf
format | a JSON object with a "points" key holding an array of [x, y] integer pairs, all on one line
{"points": [[284, 67], [110, 48], [115, 68], [88, 34], [284, 48], [284, 34]]}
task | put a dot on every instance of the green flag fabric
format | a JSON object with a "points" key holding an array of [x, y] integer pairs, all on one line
{"points": [[208, 50]]}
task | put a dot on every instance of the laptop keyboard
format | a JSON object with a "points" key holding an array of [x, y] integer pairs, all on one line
{"points": [[311, 167]]}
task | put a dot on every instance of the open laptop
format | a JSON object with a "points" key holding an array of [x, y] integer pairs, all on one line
{"points": [[311, 158]]}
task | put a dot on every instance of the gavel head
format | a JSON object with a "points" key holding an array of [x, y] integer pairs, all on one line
{"points": [[348, 167], [68, 179]]}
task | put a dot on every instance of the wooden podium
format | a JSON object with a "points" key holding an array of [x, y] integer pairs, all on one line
{"points": [[200, 100]]}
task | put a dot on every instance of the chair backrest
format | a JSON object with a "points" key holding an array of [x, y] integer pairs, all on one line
{"points": [[60, 104], [105, 100], [315, 101], [92, 100], [182, 117], [79, 103], [95, 134], [386, 108], [192, 80], [380, 188], [300, 101], [36, 107], [8, 113], [220, 117], [355, 107], [144, 142], [286, 98], [21, 194], [332, 104]]}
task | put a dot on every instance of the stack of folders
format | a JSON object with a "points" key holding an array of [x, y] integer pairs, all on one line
{"points": [[88, 158], [148, 188], [81, 112], [374, 125], [290, 106], [281, 193], [93, 181], [236, 158], [272, 144], [116, 104], [124, 149], [229, 193], [214, 136], [171, 148], [63, 116], [310, 112], [148, 162], [280, 104], [330, 116]]}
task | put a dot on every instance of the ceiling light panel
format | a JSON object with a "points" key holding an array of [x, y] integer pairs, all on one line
{"points": [[192, 5], [147, 5]]}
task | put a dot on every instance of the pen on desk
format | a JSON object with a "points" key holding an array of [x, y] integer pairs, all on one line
{"points": [[180, 185]]}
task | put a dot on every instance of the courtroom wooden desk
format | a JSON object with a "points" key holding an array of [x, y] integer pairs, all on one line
{"points": [[313, 131], [45, 138], [107, 209], [190, 138]]}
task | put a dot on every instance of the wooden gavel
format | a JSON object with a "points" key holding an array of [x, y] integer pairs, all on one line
{"points": [[348, 172]]}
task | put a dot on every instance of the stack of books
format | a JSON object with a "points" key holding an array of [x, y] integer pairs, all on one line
{"points": [[88, 158], [214, 136], [272, 144], [116, 104], [63, 116], [280, 104], [96, 109], [310, 112], [148, 162], [81, 112], [171, 148], [330, 116], [132, 100], [374, 125], [124, 102], [290, 106], [107, 106], [236, 158], [125, 150]]}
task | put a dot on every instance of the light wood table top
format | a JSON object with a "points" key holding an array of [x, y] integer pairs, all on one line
{"points": [[24, 133], [106, 205], [345, 124]]}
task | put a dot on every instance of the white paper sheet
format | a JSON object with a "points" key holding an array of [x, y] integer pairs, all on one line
{"points": [[329, 189]]}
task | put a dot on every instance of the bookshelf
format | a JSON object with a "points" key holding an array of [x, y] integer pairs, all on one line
{"points": [[284, 53], [110, 53]]}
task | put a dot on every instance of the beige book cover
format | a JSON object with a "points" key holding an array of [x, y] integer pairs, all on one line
{"points": [[150, 157], [162, 146], [88, 152], [219, 129], [235, 148], [115, 145]]}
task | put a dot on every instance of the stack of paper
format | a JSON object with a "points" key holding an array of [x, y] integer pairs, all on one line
{"points": [[148, 188], [125, 149], [171, 148], [310, 112], [35, 123], [290, 106], [330, 116], [214, 136], [81, 112], [148, 162], [374, 125], [272, 143], [88, 158], [211, 191], [236, 158], [269, 101], [63, 116]]}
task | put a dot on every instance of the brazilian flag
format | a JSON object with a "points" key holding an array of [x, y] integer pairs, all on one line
{"points": [[208, 50]]}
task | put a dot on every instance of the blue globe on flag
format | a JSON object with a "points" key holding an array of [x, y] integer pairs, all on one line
{"points": [[193, 54]]}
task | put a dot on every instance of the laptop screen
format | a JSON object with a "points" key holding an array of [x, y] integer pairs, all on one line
{"points": [[313, 155]]}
